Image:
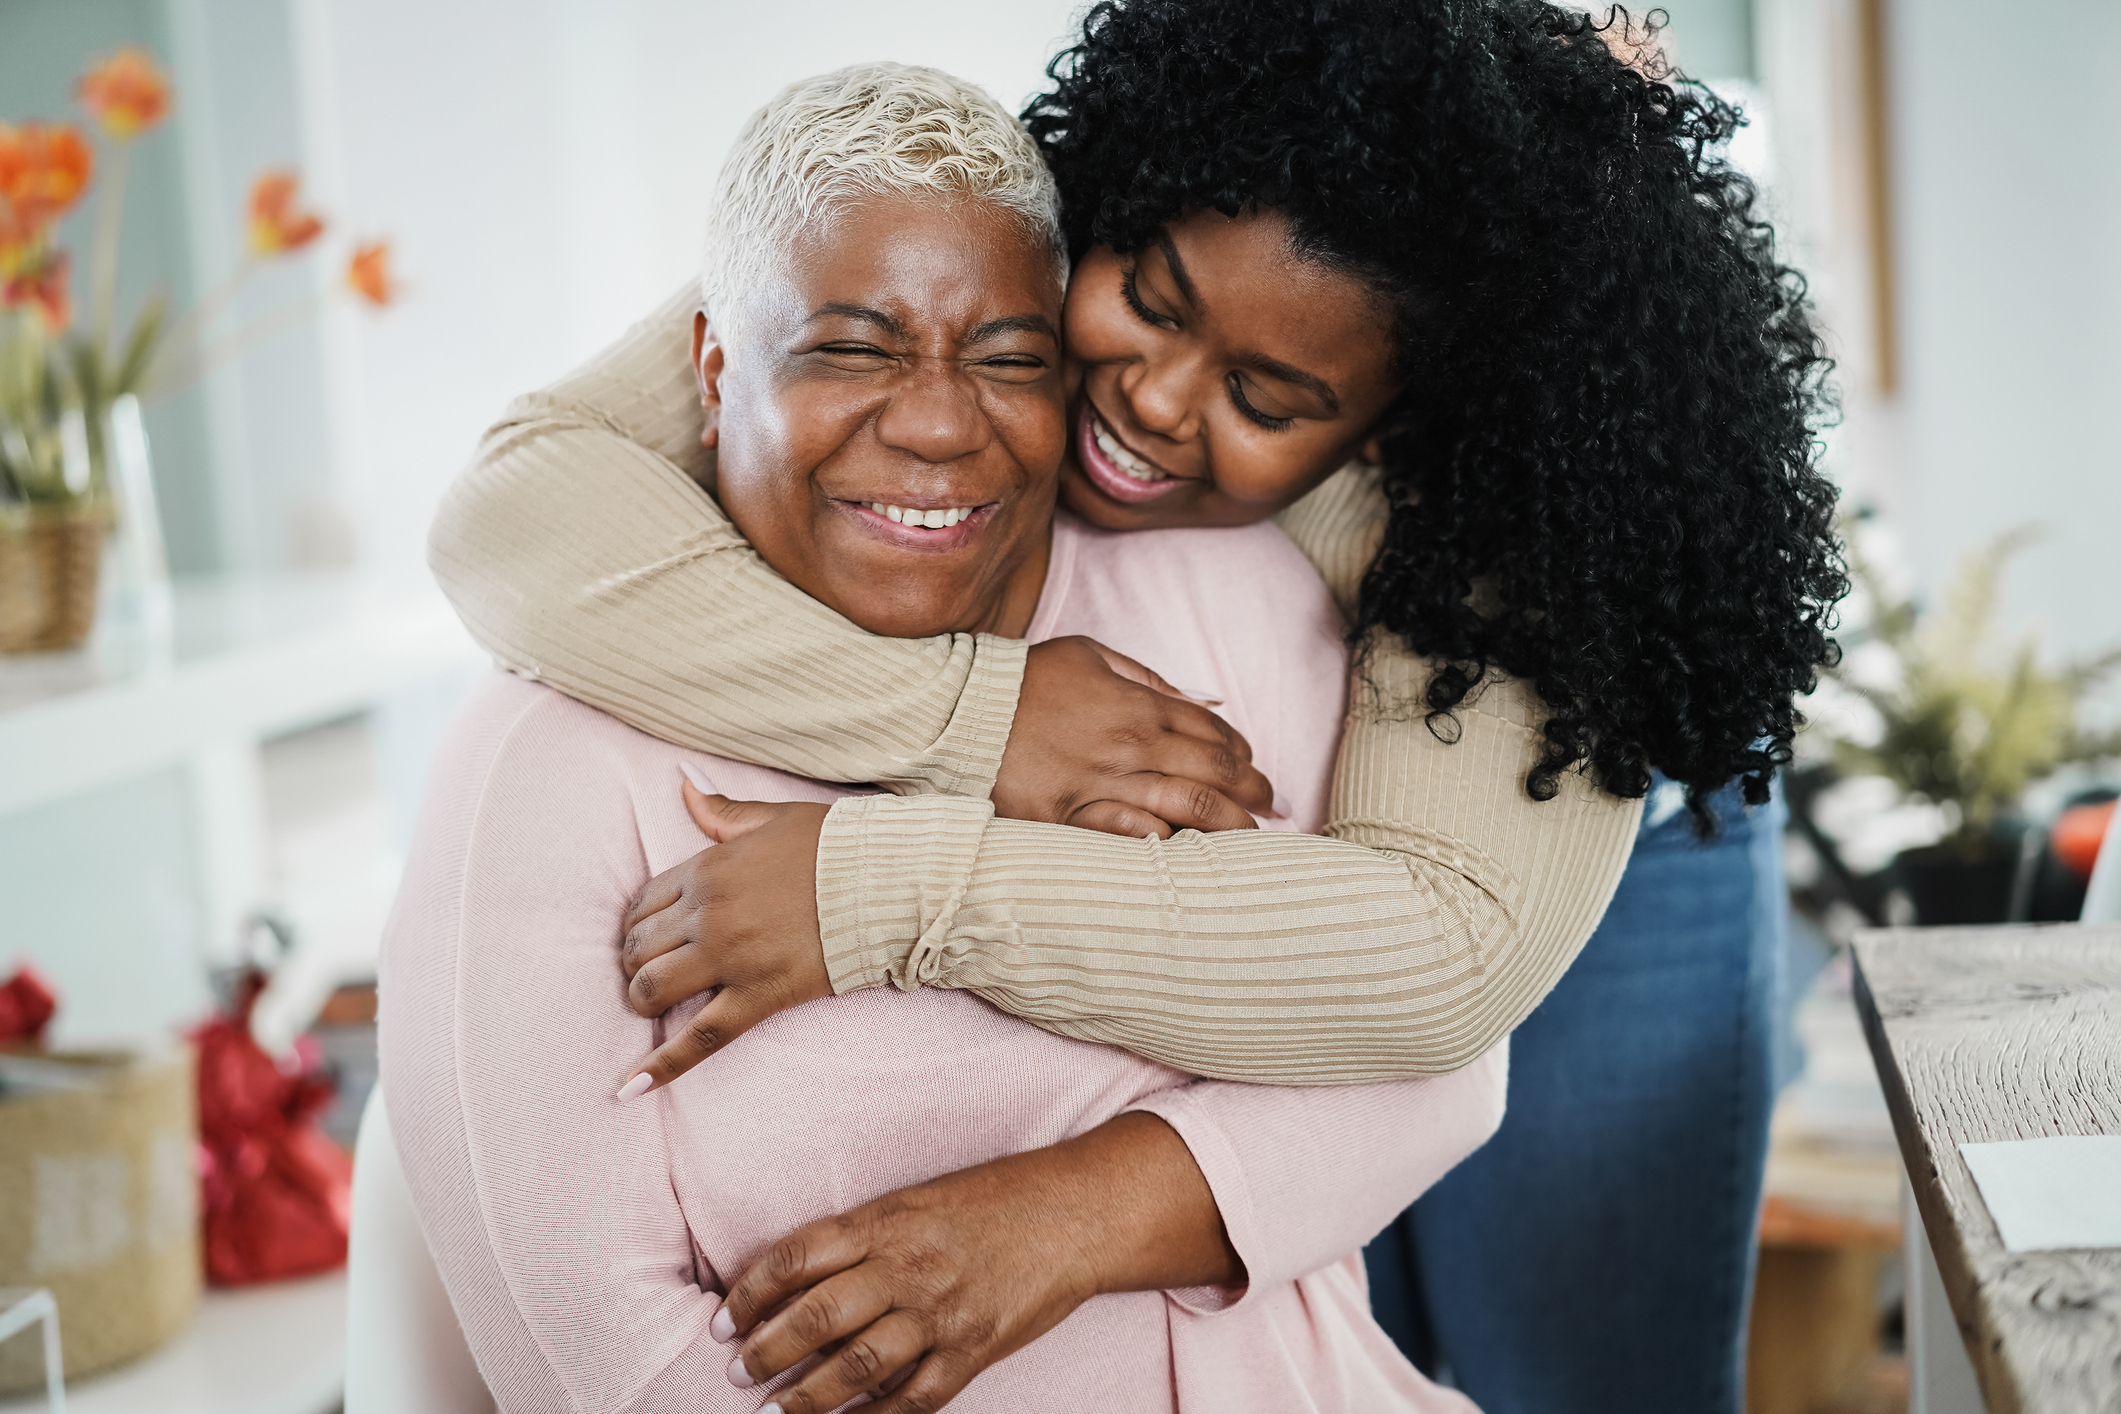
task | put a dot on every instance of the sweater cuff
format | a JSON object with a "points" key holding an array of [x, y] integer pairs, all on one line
{"points": [[1225, 1174], [891, 874], [969, 752]]}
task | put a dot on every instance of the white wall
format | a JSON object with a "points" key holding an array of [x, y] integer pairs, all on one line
{"points": [[542, 168], [2007, 149]]}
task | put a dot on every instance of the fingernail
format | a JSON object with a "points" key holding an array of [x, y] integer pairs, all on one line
{"points": [[636, 1087], [701, 782], [722, 1328], [771, 1407], [1205, 699], [1281, 806], [739, 1376]]}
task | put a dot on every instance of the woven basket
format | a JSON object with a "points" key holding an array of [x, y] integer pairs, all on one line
{"points": [[99, 1201], [21, 592], [49, 565]]}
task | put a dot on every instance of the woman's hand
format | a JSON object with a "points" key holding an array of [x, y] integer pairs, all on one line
{"points": [[1101, 742], [741, 916], [936, 1282]]}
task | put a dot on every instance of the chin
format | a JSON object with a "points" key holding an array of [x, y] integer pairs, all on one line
{"points": [[1080, 496], [909, 619]]}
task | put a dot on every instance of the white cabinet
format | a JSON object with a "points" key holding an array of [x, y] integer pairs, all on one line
{"points": [[132, 814]]}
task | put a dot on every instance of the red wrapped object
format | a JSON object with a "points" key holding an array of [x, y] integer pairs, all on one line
{"points": [[277, 1194], [26, 1007], [2078, 835]]}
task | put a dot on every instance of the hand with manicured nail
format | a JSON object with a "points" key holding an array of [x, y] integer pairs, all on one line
{"points": [[740, 916]]}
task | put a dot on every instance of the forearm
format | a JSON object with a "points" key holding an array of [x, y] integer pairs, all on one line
{"points": [[1133, 1201], [1398, 950], [1303, 1177]]}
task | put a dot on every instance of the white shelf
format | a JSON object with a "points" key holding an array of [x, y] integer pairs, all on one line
{"points": [[275, 1349], [250, 657], [239, 660]]}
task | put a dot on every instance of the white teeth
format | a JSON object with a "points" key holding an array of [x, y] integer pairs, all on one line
{"points": [[930, 520], [1125, 460]]}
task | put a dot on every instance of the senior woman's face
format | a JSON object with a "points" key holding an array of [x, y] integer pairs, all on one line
{"points": [[890, 421], [1219, 377]]}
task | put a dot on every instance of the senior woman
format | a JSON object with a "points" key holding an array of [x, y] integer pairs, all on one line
{"points": [[1582, 533], [880, 333]]}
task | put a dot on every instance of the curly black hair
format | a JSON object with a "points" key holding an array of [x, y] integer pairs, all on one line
{"points": [[1611, 385]]}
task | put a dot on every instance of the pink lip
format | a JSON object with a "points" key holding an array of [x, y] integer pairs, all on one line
{"points": [[919, 537], [1104, 475]]}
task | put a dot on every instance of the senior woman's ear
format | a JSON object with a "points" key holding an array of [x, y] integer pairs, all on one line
{"points": [[707, 368]]}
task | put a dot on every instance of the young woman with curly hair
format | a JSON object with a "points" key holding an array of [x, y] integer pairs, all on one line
{"points": [[1482, 314]]}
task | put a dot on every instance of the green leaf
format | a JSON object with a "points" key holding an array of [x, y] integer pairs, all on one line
{"points": [[140, 347], [1970, 722]]}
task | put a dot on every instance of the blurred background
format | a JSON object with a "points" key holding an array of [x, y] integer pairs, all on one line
{"points": [[225, 771]]}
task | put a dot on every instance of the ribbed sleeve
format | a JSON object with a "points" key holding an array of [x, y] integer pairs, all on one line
{"points": [[1439, 909], [1442, 908], [596, 563]]}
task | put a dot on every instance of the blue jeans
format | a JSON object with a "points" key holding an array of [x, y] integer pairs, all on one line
{"points": [[1597, 1255]]}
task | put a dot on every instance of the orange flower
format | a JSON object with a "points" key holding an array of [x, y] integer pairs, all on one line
{"points": [[20, 242], [44, 168], [42, 287], [277, 226], [126, 93], [368, 274]]}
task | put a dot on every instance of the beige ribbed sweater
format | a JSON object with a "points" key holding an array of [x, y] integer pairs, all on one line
{"points": [[1442, 904]]}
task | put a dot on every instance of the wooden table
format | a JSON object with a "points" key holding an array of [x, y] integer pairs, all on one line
{"points": [[1985, 1034]]}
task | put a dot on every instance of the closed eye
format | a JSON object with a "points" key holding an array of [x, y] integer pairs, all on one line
{"points": [[1244, 405], [1131, 292], [1012, 368]]}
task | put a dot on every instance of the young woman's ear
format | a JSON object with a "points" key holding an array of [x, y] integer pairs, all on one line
{"points": [[1373, 451], [707, 368]]}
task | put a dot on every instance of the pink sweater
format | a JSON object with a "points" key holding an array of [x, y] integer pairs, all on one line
{"points": [[583, 1242]]}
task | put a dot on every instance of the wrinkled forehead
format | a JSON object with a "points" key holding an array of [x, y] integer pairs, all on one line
{"points": [[932, 263]]}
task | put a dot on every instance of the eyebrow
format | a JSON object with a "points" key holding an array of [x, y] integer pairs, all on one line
{"points": [[1288, 373], [1186, 287], [1273, 367], [992, 329], [863, 312], [1013, 324]]}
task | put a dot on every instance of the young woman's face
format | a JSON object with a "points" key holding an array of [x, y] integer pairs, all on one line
{"points": [[1218, 377]]}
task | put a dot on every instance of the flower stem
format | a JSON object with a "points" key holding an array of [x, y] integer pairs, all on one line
{"points": [[103, 257], [221, 352], [191, 326]]}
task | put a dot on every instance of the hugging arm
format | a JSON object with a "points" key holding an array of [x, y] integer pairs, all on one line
{"points": [[1442, 907], [1230, 1189]]}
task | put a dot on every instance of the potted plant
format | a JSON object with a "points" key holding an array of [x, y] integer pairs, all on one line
{"points": [[1964, 723], [72, 455]]}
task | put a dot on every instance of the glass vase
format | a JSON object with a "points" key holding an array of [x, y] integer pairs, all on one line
{"points": [[82, 539]]}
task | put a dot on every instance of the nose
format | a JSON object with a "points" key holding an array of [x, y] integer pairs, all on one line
{"points": [[1164, 396], [934, 414]]}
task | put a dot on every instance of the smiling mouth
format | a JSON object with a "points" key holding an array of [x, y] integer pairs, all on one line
{"points": [[941, 518], [924, 528], [1116, 469]]}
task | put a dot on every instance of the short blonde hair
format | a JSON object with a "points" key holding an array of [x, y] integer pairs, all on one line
{"points": [[869, 129]]}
